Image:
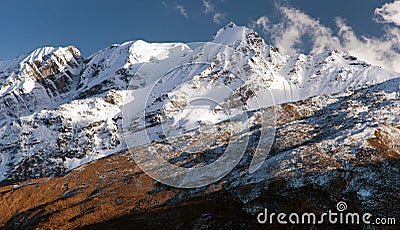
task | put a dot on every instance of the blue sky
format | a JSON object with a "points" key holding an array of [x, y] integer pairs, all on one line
{"points": [[93, 25]]}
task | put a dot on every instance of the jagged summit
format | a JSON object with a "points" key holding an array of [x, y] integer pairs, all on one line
{"points": [[229, 25], [45, 75]]}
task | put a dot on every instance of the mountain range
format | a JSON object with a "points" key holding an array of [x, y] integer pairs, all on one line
{"points": [[74, 123]]}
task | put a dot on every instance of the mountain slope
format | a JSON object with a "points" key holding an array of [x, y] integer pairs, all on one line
{"points": [[316, 161]]}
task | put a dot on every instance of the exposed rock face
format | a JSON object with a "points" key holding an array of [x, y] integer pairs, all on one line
{"points": [[386, 140], [64, 163], [38, 80]]}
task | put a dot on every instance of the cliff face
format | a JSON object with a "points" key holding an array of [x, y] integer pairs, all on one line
{"points": [[71, 127]]}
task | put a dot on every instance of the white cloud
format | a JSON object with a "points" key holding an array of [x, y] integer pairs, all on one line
{"points": [[384, 51], [287, 35], [262, 22], [296, 26], [181, 9], [218, 18], [209, 7], [389, 13]]}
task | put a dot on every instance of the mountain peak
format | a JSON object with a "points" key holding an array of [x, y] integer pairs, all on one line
{"points": [[230, 25], [230, 33]]}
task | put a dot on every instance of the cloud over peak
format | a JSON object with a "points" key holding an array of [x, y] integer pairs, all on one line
{"points": [[209, 8], [388, 13], [290, 33]]}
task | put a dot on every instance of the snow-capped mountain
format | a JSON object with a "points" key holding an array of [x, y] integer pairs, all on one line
{"points": [[333, 134], [61, 110]]}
